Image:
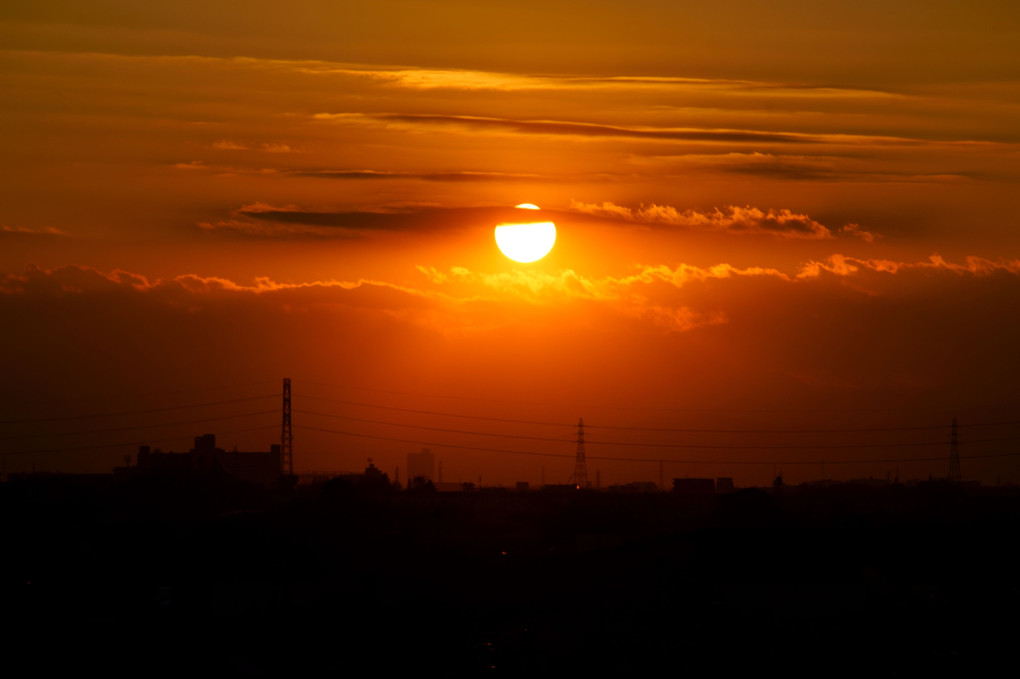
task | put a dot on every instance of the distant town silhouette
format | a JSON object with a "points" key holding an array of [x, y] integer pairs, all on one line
{"points": [[214, 560]]}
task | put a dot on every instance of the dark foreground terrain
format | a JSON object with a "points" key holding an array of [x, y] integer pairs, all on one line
{"points": [[205, 577]]}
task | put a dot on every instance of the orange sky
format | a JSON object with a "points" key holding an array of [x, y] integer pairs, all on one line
{"points": [[789, 216]]}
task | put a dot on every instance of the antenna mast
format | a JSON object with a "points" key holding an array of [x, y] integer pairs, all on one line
{"points": [[580, 466], [286, 436]]}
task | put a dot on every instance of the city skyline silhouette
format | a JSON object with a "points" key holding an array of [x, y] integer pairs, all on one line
{"points": [[909, 453]]}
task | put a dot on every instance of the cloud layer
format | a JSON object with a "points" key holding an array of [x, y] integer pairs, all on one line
{"points": [[782, 223], [830, 340]]}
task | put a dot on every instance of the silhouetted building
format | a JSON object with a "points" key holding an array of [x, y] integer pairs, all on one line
{"points": [[635, 487], [560, 488], [453, 486], [694, 486], [724, 484], [421, 464], [260, 468]]}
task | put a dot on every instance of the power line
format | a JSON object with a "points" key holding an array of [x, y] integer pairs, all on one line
{"points": [[641, 444], [633, 459], [848, 430], [439, 429], [137, 395], [129, 443], [63, 418], [475, 399], [837, 446], [675, 430], [433, 412], [428, 443], [139, 426]]}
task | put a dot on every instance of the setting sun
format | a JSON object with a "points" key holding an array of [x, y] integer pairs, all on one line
{"points": [[527, 241]]}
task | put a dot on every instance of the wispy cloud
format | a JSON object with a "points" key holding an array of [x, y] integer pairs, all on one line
{"points": [[782, 223], [362, 174], [577, 129], [436, 176], [652, 298], [802, 167], [469, 80], [84, 280], [24, 231], [266, 147], [227, 145], [841, 265], [264, 219], [630, 290]]}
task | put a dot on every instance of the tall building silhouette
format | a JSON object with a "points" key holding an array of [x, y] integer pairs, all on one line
{"points": [[206, 460], [421, 464]]}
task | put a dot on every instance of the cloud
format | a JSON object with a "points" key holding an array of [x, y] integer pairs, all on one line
{"points": [[248, 227], [268, 147], [684, 273], [267, 220], [619, 294], [552, 127], [69, 280], [192, 290], [26, 232], [676, 298], [859, 333], [651, 299], [193, 165], [298, 222], [224, 170], [470, 80], [469, 176], [782, 223], [856, 231], [826, 167], [841, 265], [227, 145], [454, 176]]}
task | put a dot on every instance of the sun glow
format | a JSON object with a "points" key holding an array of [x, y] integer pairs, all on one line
{"points": [[527, 241]]}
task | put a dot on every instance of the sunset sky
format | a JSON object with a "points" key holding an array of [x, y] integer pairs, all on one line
{"points": [[787, 216]]}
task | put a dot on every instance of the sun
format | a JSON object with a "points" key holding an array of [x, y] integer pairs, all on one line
{"points": [[526, 241]]}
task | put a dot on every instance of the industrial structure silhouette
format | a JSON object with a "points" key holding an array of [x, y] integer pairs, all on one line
{"points": [[627, 443]]}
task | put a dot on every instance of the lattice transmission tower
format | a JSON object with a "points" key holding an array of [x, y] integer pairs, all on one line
{"points": [[286, 435], [954, 457], [580, 465]]}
